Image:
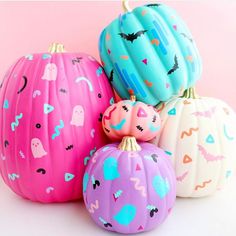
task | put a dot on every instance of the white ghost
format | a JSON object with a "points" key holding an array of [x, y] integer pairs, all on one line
{"points": [[78, 116], [50, 72], [37, 148]]}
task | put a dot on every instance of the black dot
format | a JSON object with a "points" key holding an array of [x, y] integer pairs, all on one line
{"points": [[99, 95], [38, 126]]}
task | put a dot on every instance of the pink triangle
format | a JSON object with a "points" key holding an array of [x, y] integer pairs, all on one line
{"points": [[140, 227], [138, 167], [145, 61], [175, 27], [141, 113], [167, 85], [109, 51]]}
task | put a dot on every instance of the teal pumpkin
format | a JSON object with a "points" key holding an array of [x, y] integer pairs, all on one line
{"points": [[150, 53]]}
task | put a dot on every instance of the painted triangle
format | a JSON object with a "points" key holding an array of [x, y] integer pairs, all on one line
{"points": [[138, 167], [210, 139], [172, 112], [140, 227], [175, 27], [69, 177], [5, 104], [145, 61], [141, 113], [48, 108], [187, 159]]}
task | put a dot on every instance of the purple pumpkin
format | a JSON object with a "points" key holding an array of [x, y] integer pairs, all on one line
{"points": [[129, 187], [50, 123]]}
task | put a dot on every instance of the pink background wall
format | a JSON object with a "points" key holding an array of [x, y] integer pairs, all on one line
{"points": [[27, 27]]}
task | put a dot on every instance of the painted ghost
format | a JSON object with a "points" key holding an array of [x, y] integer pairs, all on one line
{"points": [[37, 148], [50, 72], [78, 116]]}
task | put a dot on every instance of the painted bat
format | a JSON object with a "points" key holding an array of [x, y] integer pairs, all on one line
{"points": [[153, 5], [175, 66], [190, 39], [133, 36], [111, 76]]}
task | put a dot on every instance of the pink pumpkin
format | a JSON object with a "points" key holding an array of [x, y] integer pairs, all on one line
{"points": [[133, 118], [50, 122]]}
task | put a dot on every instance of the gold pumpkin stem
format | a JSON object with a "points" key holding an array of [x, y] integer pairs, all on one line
{"points": [[129, 143], [190, 93], [56, 48], [125, 5], [133, 98]]}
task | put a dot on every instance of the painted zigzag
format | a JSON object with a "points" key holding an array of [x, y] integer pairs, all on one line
{"points": [[137, 186]]}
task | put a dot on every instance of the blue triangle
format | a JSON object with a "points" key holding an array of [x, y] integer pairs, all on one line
{"points": [[48, 108], [6, 104], [69, 177], [210, 139], [172, 112]]}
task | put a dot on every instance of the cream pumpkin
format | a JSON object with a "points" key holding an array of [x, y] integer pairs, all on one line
{"points": [[200, 135]]}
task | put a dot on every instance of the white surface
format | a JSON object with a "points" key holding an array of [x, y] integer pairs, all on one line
{"points": [[211, 216]]}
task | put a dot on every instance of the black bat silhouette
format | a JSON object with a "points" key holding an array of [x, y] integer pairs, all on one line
{"points": [[76, 60], [190, 39], [63, 90], [131, 37], [111, 76], [153, 5], [175, 66]]}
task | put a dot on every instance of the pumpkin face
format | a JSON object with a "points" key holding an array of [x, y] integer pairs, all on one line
{"points": [[149, 52], [51, 123], [200, 136], [131, 118], [129, 191]]}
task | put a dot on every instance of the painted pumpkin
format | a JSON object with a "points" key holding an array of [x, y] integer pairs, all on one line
{"points": [[132, 118], [200, 135], [129, 188], [52, 105], [149, 52]]}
